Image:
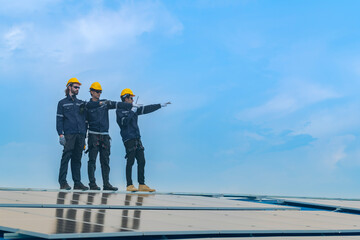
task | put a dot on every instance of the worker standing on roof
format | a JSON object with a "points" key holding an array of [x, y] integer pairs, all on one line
{"points": [[98, 135], [130, 133], [71, 127]]}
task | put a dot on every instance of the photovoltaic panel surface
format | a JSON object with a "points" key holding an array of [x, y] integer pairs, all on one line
{"points": [[71, 214], [289, 238], [72, 222], [122, 199], [327, 202]]}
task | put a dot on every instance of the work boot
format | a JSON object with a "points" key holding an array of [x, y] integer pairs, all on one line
{"points": [[80, 186], [110, 187], [145, 188], [131, 188], [65, 186], [93, 186]]}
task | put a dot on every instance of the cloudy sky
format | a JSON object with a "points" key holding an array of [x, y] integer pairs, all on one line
{"points": [[265, 93]]}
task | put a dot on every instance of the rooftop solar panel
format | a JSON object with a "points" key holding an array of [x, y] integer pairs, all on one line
{"points": [[71, 214], [52, 222], [289, 238], [326, 202], [125, 199]]}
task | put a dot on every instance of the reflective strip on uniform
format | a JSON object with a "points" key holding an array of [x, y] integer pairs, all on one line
{"points": [[59, 115], [67, 104], [142, 110], [78, 104], [122, 121], [101, 133]]}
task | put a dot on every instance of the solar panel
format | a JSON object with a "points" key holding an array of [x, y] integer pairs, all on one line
{"points": [[68, 214], [288, 238], [350, 204], [55, 223], [124, 199]]}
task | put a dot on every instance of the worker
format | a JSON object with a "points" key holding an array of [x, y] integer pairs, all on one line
{"points": [[98, 135], [130, 133], [71, 128]]}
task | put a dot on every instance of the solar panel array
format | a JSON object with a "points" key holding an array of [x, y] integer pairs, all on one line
{"points": [[72, 214]]}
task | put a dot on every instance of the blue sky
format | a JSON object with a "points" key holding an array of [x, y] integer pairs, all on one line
{"points": [[265, 93]]}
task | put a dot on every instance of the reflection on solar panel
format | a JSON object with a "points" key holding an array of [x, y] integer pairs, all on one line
{"points": [[71, 214]]}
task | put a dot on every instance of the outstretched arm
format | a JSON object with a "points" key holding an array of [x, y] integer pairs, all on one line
{"points": [[150, 108], [112, 104], [92, 104], [109, 104]]}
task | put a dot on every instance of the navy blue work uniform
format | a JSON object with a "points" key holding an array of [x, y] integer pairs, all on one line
{"points": [[97, 116], [71, 122], [130, 133]]}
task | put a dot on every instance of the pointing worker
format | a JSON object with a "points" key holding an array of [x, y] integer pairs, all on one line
{"points": [[71, 127], [130, 133], [98, 135]]}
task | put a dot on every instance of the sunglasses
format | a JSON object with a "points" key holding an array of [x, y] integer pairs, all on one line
{"points": [[97, 91], [76, 87]]}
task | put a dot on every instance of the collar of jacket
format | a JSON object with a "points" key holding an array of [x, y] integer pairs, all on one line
{"points": [[72, 98]]}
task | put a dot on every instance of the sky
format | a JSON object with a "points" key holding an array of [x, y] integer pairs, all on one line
{"points": [[264, 93]]}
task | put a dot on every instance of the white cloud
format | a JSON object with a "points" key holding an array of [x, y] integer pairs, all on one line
{"points": [[104, 28], [253, 135], [334, 126], [291, 97], [330, 151], [331, 121], [15, 37], [100, 29]]}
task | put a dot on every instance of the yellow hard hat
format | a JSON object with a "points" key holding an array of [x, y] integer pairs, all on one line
{"points": [[96, 86], [127, 91], [73, 80]]}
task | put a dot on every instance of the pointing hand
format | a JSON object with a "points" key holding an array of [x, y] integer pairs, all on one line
{"points": [[165, 104]]}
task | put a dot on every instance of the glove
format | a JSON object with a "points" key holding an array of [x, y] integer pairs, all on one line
{"points": [[137, 105], [134, 109], [62, 140], [165, 104]]}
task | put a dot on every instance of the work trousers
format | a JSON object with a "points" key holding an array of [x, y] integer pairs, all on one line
{"points": [[73, 149], [135, 149], [99, 144]]}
